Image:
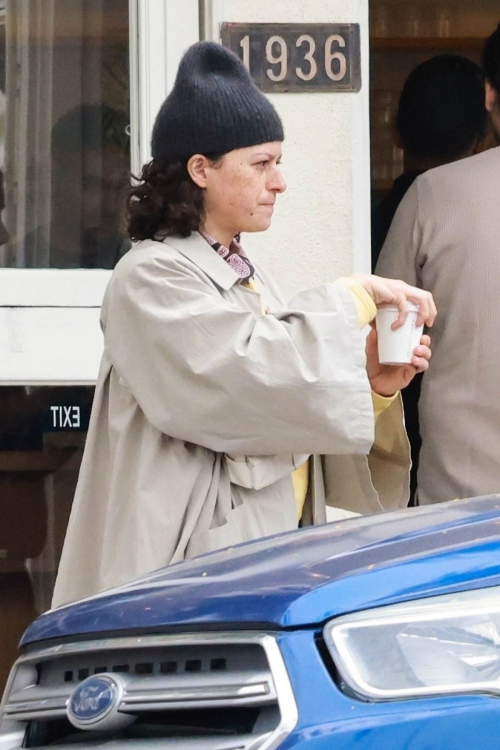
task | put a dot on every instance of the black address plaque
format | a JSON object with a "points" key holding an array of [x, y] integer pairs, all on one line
{"points": [[294, 57]]}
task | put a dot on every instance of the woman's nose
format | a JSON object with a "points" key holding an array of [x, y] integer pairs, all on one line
{"points": [[277, 182]]}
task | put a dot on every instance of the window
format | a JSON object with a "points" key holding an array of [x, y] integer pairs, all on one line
{"points": [[64, 132]]}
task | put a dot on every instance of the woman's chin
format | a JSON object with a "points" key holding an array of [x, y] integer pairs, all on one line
{"points": [[259, 225]]}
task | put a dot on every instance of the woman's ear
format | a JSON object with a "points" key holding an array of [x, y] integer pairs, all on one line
{"points": [[197, 169], [491, 97]]}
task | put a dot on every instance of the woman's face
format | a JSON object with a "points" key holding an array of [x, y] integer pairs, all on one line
{"points": [[241, 188]]}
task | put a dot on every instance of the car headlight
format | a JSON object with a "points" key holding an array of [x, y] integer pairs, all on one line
{"points": [[440, 646]]}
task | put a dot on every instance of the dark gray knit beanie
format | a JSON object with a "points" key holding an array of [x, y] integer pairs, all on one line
{"points": [[214, 107]]}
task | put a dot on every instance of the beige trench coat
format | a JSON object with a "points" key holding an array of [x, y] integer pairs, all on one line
{"points": [[203, 408]]}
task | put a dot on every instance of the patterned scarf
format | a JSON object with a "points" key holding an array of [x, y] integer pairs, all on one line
{"points": [[234, 255]]}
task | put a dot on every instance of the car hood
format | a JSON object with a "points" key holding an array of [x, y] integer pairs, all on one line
{"points": [[301, 578]]}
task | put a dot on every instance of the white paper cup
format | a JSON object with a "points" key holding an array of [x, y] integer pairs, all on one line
{"points": [[397, 347]]}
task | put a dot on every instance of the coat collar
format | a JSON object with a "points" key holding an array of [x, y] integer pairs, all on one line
{"points": [[197, 250]]}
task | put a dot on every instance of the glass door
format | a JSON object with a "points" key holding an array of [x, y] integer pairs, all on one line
{"points": [[80, 83], [65, 119]]}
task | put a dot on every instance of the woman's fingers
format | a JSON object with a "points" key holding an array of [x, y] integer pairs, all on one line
{"points": [[422, 355], [399, 293], [421, 364], [423, 351], [402, 303], [427, 307]]}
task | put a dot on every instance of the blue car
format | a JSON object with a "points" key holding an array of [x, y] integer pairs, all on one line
{"points": [[376, 633]]}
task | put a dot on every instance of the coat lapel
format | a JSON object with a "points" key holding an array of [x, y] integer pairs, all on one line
{"points": [[199, 252]]}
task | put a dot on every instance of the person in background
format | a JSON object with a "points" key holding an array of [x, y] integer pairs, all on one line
{"points": [[224, 413], [445, 238], [441, 118]]}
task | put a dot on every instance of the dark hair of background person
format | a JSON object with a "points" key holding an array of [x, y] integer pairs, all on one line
{"points": [[442, 114], [165, 201], [491, 59]]}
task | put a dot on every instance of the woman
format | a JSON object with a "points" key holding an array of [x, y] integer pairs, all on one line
{"points": [[213, 393]]}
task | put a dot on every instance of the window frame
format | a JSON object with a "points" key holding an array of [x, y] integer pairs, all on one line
{"points": [[49, 318]]}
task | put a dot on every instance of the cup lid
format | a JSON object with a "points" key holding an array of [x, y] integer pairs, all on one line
{"points": [[393, 308]]}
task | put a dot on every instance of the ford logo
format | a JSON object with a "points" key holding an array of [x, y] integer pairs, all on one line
{"points": [[95, 702]]}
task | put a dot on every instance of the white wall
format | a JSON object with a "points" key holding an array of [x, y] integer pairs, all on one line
{"points": [[321, 226]]}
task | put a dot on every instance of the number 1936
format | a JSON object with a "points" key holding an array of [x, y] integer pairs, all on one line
{"points": [[297, 57]]}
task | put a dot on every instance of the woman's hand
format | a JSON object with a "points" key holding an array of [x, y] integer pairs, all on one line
{"points": [[398, 293], [386, 380]]}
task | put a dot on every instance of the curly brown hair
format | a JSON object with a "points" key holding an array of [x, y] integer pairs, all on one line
{"points": [[165, 201]]}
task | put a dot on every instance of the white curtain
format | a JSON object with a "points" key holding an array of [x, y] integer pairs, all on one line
{"points": [[29, 90], [62, 56]]}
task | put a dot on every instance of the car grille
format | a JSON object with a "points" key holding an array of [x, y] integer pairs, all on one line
{"points": [[215, 691]]}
